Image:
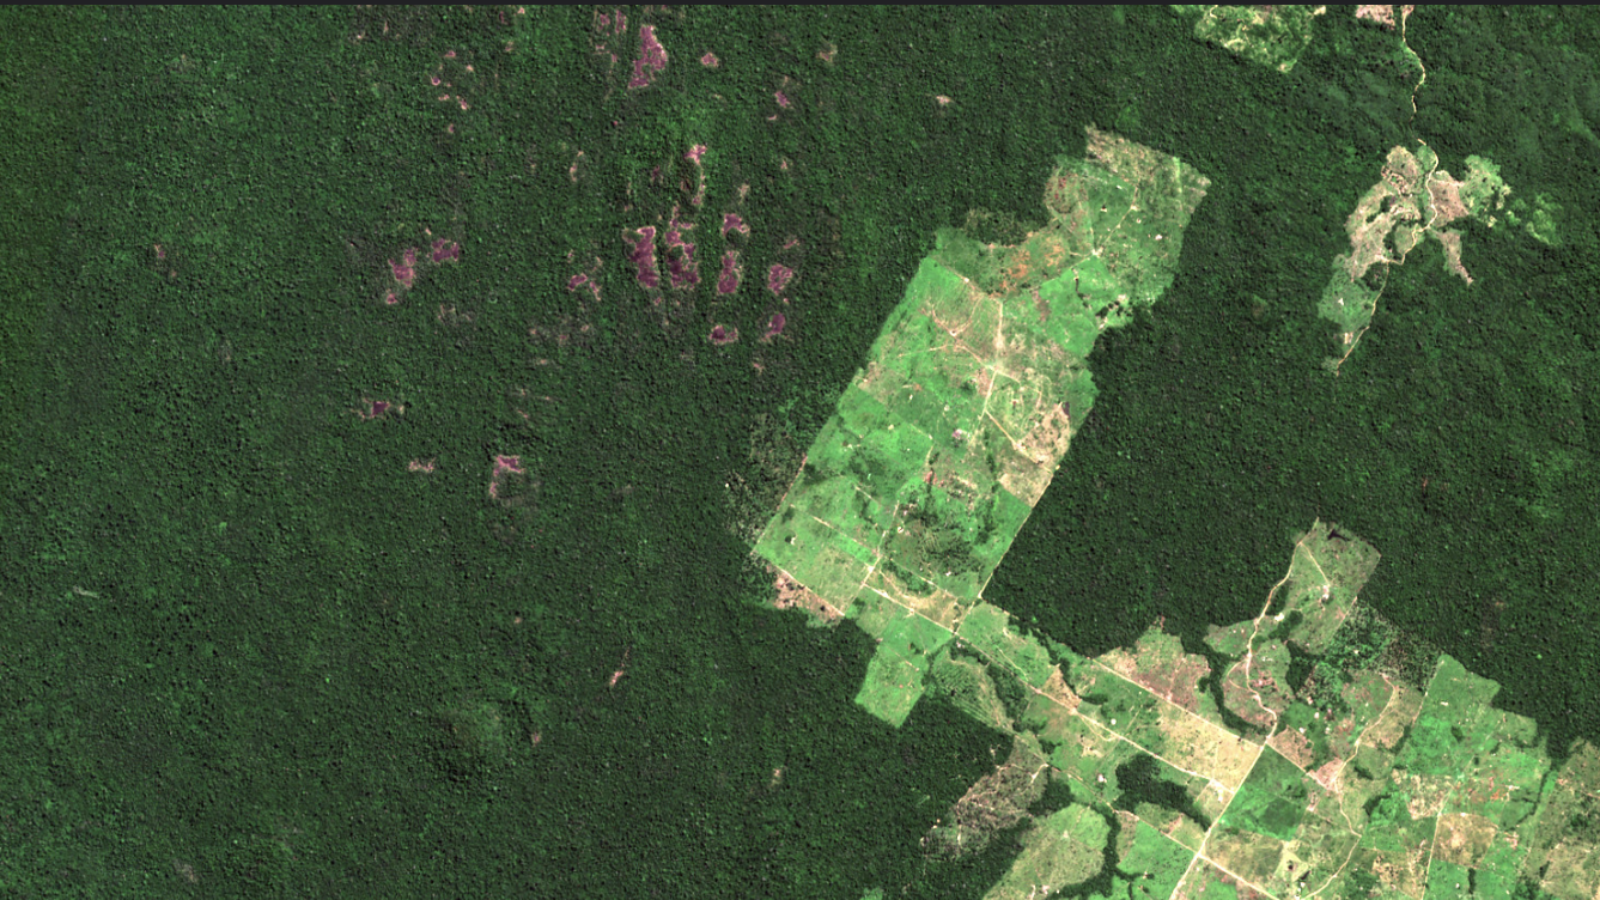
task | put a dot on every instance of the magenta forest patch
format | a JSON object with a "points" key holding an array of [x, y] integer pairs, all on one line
{"points": [[510, 486], [778, 278], [728, 278], [405, 271], [444, 250], [607, 26], [617, 22], [720, 335], [642, 254], [504, 467], [374, 409], [589, 278], [681, 265], [710, 60], [774, 325], [652, 58], [732, 222], [408, 267]]}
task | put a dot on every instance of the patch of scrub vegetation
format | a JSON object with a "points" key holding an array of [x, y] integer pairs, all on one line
{"points": [[965, 681], [989, 630], [994, 804], [1536, 217], [1088, 850], [1060, 852], [1303, 613], [1270, 35], [1414, 199], [1158, 663]]}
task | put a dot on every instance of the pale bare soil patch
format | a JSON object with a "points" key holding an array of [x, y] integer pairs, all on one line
{"points": [[793, 595]]}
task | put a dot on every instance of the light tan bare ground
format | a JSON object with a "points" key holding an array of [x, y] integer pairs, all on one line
{"points": [[1294, 746], [1574, 872], [1056, 689], [1447, 203], [1246, 855], [1452, 253], [1404, 872], [622, 668], [185, 870], [792, 594], [1159, 665], [1205, 749], [1463, 839], [1047, 441], [1240, 691], [1381, 14], [1428, 793], [1328, 773]]}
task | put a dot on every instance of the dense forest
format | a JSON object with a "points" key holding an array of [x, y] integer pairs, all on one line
{"points": [[352, 538]]}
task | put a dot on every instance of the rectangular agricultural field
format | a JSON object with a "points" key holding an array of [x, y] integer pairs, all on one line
{"points": [[955, 424]]}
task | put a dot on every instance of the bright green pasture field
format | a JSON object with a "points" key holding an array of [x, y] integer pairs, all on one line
{"points": [[952, 430]]}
